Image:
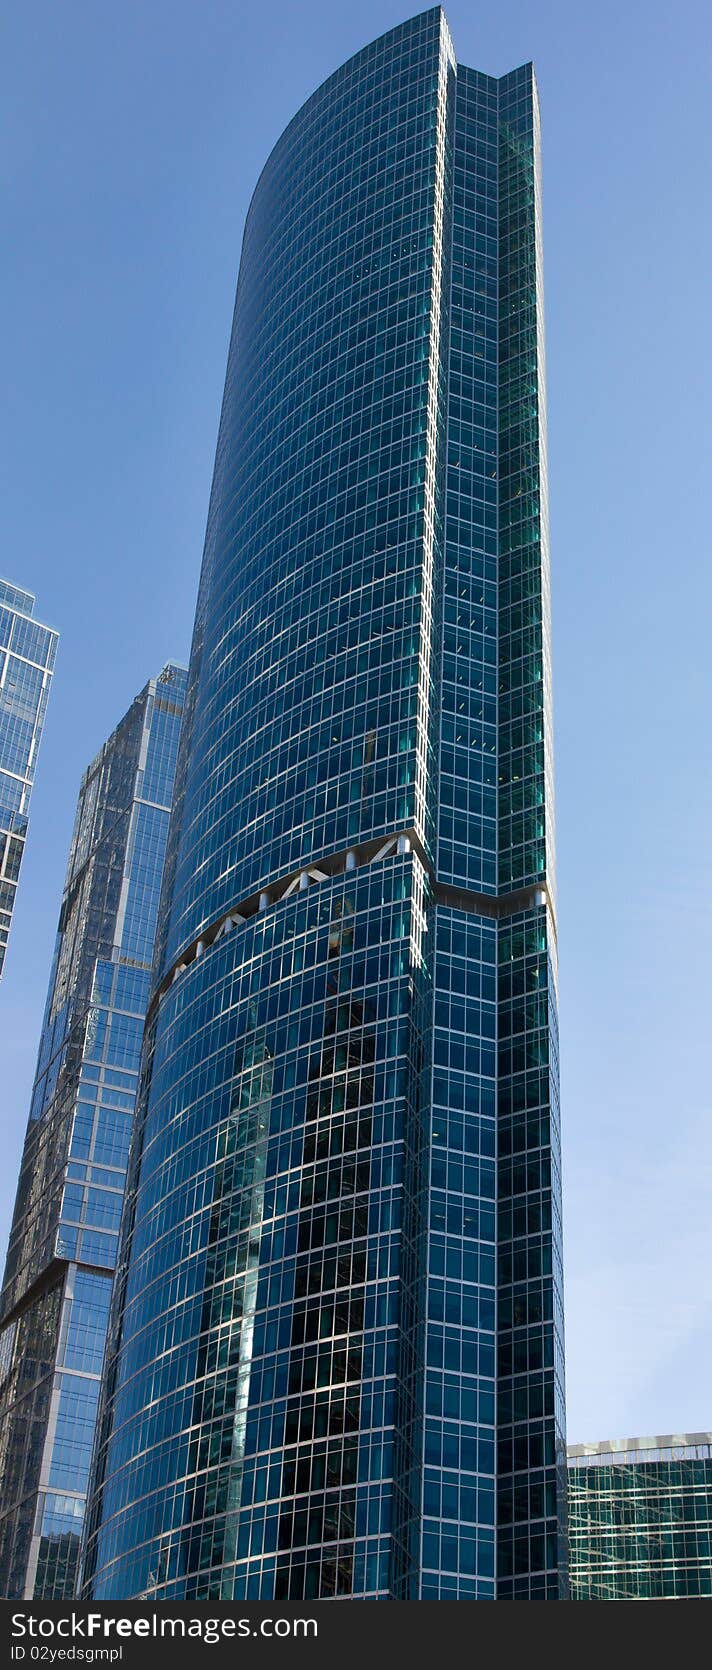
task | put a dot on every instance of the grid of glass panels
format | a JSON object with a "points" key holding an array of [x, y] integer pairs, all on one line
{"points": [[467, 830], [322, 528], [73, 1170], [457, 1557], [253, 1431], [641, 1525], [360, 666], [531, 1418], [293, 755], [27, 1357], [27, 655]]}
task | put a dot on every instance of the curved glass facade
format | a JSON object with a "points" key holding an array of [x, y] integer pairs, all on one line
{"points": [[330, 1373]]}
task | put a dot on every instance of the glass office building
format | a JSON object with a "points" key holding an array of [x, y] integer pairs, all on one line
{"points": [[62, 1251], [335, 1364], [27, 654], [640, 1515]]}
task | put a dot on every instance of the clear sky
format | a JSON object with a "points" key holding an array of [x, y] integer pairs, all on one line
{"points": [[132, 137]]}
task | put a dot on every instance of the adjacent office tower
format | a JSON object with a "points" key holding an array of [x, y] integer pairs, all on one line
{"points": [[335, 1361], [63, 1241], [27, 652], [640, 1514]]}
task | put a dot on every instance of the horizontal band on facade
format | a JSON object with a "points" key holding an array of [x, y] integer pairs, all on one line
{"points": [[48, 1277], [53, 1271], [619, 1452], [350, 859]]}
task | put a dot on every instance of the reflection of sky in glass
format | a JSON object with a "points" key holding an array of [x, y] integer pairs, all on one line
{"points": [[27, 652], [360, 889]]}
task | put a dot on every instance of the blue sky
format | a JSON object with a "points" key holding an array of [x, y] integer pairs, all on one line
{"points": [[131, 140]]}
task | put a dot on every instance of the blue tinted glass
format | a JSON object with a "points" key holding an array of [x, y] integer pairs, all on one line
{"points": [[343, 1288]]}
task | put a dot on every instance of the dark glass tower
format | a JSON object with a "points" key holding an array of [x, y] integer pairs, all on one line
{"points": [[55, 1296], [335, 1365]]}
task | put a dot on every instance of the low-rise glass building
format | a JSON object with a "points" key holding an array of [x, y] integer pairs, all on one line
{"points": [[640, 1518]]}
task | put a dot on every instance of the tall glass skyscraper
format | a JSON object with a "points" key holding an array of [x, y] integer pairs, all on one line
{"points": [[335, 1364], [640, 1513], [55, 1296], [27, 654]]}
